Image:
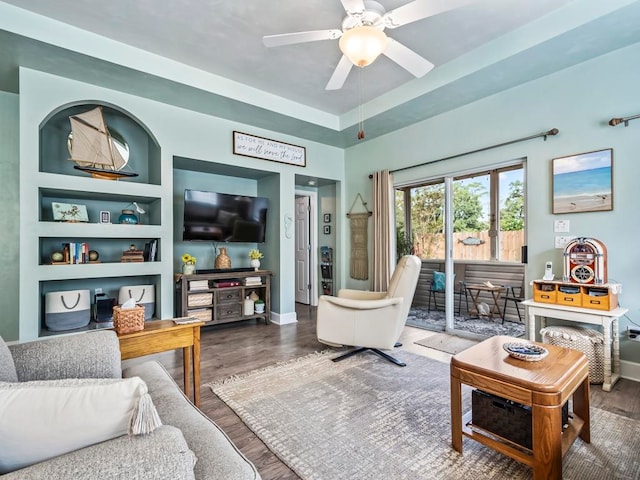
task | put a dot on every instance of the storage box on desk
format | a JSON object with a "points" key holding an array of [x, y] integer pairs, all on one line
{"points": [[67, 310], [544, 292], [569, 295], [143, 295], [200, 300], [128, 320], [505, 418], [600, 298], [585, 340]]}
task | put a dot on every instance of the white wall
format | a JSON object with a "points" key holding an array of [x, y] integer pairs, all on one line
{"points": [[579, 101]]}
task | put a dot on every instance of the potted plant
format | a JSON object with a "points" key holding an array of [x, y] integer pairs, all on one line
{"points": [[255, 255], [188, 264], [259, 306]]}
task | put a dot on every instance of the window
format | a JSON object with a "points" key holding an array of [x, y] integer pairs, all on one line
{"points": [[488, 216]]}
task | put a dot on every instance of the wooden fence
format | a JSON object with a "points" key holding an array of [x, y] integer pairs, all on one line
{"points": [[432, 246]]}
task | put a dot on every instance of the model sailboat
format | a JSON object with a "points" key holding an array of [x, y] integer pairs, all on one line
{"points": [[93, 149]]}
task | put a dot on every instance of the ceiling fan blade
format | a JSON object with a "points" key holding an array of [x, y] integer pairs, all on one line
{"points": [[300, 37], [353, 7], [407, 58], [419, 9], [339, 74]]}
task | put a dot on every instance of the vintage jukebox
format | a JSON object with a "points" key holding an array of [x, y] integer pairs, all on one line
{"points": [[585, 261]]}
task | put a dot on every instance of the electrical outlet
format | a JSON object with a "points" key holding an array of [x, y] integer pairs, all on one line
{"points": [[98, 291]]}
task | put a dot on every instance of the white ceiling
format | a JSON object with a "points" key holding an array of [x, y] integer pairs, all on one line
{"points": [[478, 49]]}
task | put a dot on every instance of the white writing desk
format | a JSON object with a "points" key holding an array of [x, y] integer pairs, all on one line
{"points": [[607, 319]]}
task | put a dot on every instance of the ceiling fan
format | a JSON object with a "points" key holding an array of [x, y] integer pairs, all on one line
{"points": [[369, 18]]}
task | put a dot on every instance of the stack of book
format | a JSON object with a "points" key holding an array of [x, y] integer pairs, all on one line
{"points": [[74, 252], [198, 285], [252, 281], [132, 255]]}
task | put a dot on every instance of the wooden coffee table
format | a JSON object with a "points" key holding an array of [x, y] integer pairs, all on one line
{"points": [[545, 386], [161, 336]]}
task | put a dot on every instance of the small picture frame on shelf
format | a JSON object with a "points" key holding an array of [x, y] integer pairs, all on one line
{"points": [[105, 216], [327, 218], [327, 229], [69, 212]]}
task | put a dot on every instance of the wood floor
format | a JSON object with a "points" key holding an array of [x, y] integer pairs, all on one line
{"points": [[241, 347]]}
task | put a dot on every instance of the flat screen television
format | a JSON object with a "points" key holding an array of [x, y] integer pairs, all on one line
{"points": [[222, 217]]}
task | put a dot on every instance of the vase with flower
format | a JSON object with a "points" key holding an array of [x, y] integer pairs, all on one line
{"points": [[188, 264], [255, 256]]}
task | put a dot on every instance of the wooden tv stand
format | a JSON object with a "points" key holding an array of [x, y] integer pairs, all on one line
{"points": [[215, 304]]}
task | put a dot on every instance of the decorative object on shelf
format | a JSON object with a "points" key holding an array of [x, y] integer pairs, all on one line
{"points": [[128, 218], [68, 212], [94, 150], [327, 229], [138, 209], [254, 296], [105, 216], [327, 218], [132, 255], [255, 256], [525, 351], [248, 306], [57, 257], [583, 182], [259, 306], [188, 264], [585, 261], [94, 256], [266, 149], [223, 260]]}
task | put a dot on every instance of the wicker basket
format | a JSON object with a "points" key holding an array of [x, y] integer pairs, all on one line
{"points": [[127, 320], [585, 340], [200, 300]]}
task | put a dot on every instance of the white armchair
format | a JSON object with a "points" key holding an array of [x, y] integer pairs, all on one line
{"points": [[370, 320]]}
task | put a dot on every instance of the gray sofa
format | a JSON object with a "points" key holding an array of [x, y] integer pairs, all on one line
{"points": [[187, 445]]}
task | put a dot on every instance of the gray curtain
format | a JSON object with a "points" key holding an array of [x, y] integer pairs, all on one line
{"points": [[383, 229]]}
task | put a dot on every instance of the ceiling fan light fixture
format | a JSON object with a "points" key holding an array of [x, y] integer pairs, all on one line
{"points": [[363, 44]]}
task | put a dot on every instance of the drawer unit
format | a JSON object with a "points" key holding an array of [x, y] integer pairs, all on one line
{"points": [[227, 311], [228, 295], [544, 292], [599, 298], [569, 295]]}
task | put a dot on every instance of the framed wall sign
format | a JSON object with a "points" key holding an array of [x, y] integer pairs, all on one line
{"points": [[266, 149], [583, 182]]}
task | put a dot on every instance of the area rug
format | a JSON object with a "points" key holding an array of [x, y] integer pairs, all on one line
{"points": [[446, 343], [421, 317], [365, 418]]}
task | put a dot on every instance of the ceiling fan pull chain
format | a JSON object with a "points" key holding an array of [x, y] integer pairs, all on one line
{"points": [[360, 107]]}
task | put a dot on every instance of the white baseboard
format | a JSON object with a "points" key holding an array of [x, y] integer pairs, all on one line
{"points": [[284, 318], [630, 370]]}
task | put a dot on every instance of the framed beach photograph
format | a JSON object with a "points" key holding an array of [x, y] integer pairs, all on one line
{"points": [[583, 182]]}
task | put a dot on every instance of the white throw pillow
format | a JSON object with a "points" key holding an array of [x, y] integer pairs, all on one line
{"points": [[44, 419]]}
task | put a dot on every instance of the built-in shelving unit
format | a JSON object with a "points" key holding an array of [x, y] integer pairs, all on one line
{"points": [[55, 180]]}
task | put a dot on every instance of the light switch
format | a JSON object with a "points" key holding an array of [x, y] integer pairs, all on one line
{"points": [[561, 242], [561, 226]]}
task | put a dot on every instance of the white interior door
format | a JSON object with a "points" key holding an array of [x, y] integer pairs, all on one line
{"points": [[303, 250]]}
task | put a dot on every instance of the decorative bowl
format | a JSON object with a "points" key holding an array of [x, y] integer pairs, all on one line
{"points": [[526, 351]]}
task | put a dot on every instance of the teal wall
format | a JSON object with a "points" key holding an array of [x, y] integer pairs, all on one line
{"points": [[579, 101], [10, 218]]}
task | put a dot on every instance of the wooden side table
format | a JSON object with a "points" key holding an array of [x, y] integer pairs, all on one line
{"points": [[161, 336], [545, 386], [496, 292]]}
